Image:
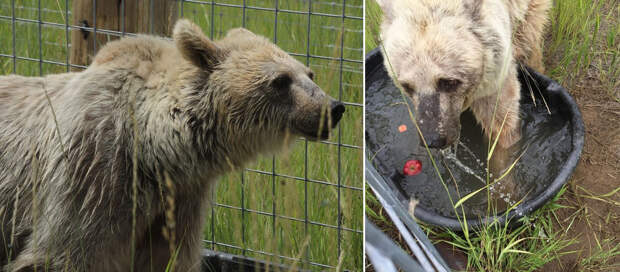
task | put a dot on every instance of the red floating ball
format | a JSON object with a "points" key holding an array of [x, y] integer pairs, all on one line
{"points": [[412, 167]]}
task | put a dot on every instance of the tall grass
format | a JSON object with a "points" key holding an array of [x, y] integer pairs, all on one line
{"points": [[580, 43], [307, 214]]}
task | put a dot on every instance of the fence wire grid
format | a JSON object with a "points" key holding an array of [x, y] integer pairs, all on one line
{"points": [[304, 208]]}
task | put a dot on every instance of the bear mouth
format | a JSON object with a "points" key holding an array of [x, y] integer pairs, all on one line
{"points": [[314, 135], [320, 127]]}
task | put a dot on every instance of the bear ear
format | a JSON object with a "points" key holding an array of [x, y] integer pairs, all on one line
{"points": [[195, 46], [240, 32]]}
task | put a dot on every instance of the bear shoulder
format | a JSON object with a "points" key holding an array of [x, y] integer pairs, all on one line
{"points": [[138, 48], [151, 58]]}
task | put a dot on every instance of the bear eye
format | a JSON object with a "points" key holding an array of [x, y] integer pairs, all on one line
{"points": [[281, 82], [409, 89], [448, 85], [311, 76]]}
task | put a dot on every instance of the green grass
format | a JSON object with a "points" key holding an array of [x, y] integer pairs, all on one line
{"points": [[373, 21], [495, 247], [577, 42], [257, 191]]}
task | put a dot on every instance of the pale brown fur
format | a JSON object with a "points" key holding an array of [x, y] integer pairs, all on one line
{"points": [[529, 25], [192, 109], [451, 55]]}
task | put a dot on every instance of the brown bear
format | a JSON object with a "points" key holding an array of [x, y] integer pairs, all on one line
{"points": [[110, 168], [453, 55]]}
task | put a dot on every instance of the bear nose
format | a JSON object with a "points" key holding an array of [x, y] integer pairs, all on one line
{"points": [[440, 142], [337, 109]]}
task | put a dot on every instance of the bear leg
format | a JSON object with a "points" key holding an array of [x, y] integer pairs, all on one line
{"points": [[500, 115], [156, 252], [528, 34]]}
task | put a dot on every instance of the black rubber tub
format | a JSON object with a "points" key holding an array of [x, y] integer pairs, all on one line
{"points": [[553, 137], [214, 261]]}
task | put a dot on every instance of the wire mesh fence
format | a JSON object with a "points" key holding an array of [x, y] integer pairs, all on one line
{"points": [[304, 208]]}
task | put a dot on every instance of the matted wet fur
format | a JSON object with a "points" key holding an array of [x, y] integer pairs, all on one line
{"points": [[191, 109], [451, 55]]}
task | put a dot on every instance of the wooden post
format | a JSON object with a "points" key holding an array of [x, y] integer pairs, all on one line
{"points": [[140, 16]]}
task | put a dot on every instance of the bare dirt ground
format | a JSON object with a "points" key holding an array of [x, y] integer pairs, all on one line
{"points": [[592, 216], [594, 221]]}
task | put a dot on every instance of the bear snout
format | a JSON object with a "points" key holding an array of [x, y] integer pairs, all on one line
{"points": [[337, 110], [440, 140], [437, 142]]}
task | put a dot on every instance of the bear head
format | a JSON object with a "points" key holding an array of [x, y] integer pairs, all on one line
{"points": [[432, 52], [254, 86]]}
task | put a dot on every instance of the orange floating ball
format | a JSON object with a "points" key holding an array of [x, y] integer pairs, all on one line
{"points": [[402, 128]]}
